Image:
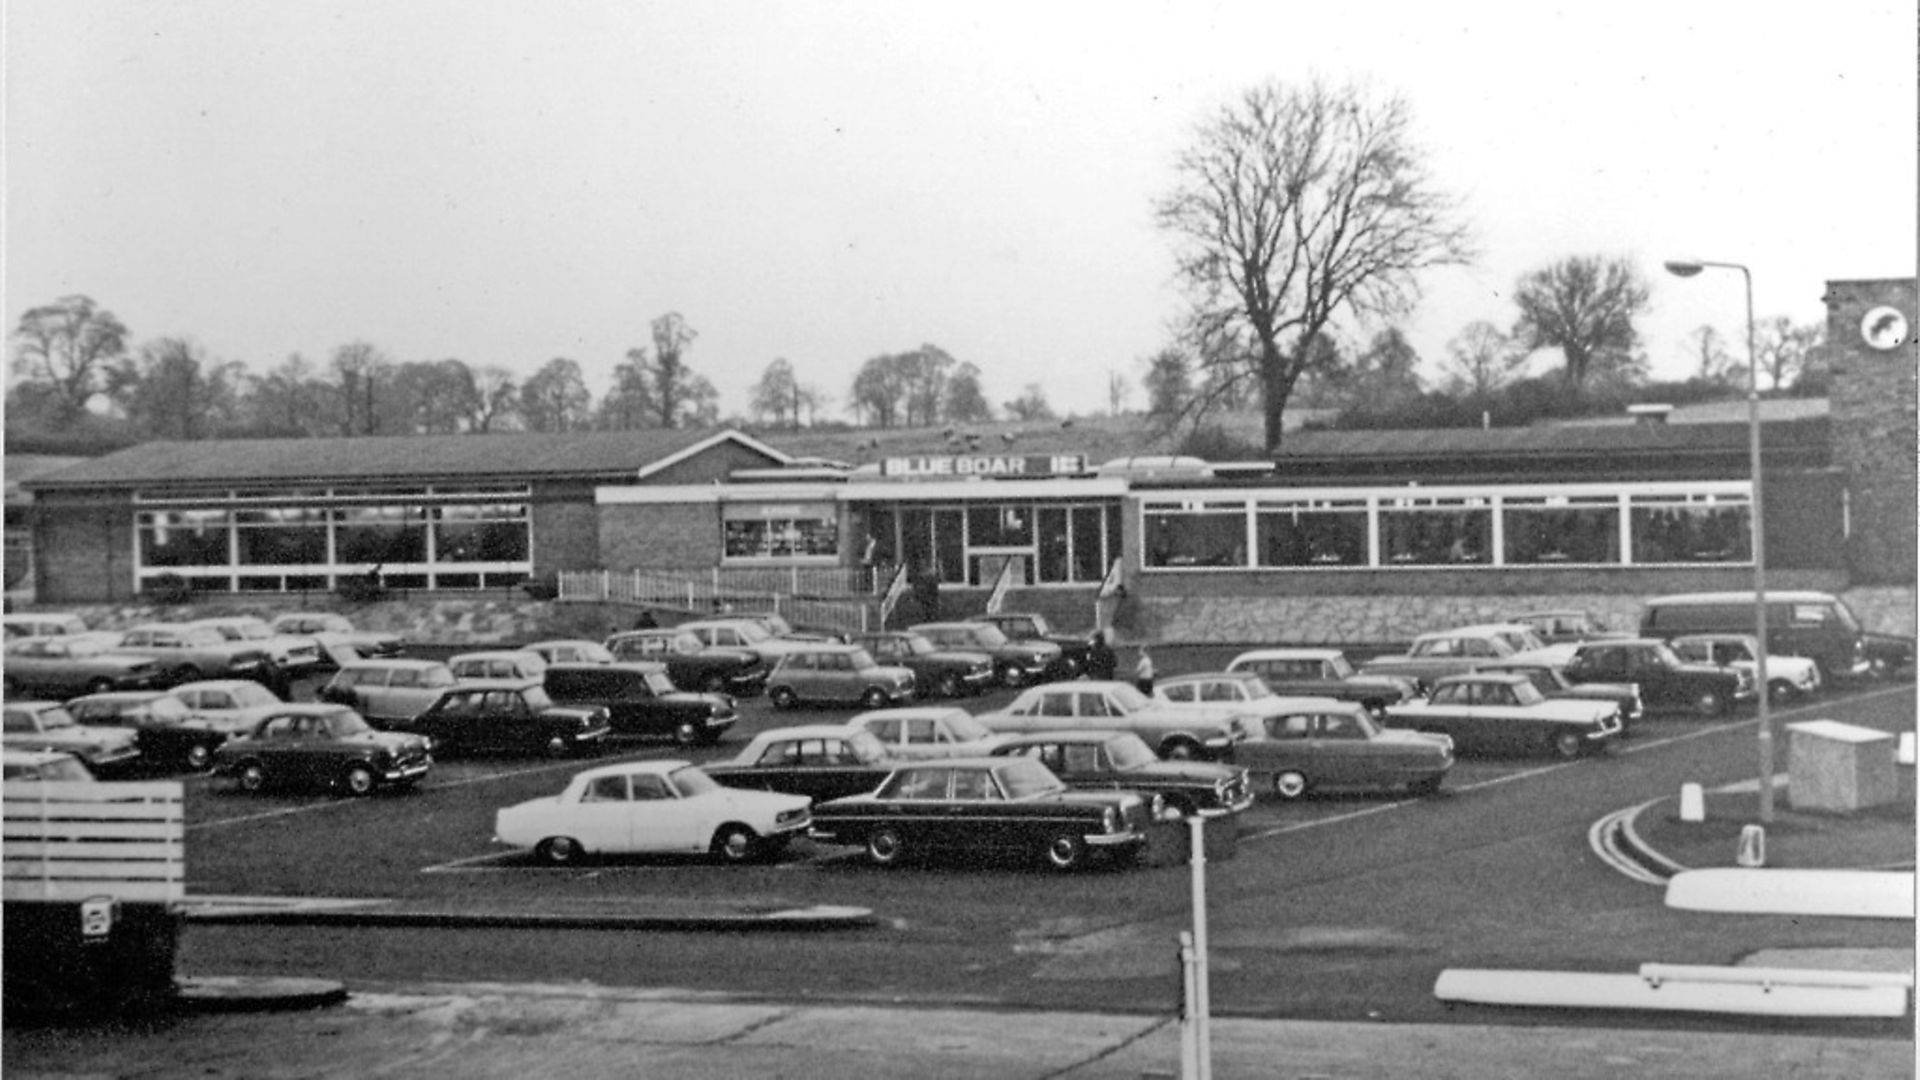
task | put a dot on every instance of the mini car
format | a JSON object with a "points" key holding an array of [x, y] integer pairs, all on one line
{"points": [[824, 673], [1119, 760], [972, 806], [507, 716], [324, 745], [691, 663], [163, 726], [820, 761], [652, 807], [927, 731], [1173, 732], [1504, 713], [640, 700], [1326, 744], [946, 672], [47, 725]]}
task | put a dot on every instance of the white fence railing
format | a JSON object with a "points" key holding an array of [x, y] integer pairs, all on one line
{"points": [[72, 840]]}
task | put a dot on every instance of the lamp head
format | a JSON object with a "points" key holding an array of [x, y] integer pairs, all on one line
{"points": [[1684, 267]]}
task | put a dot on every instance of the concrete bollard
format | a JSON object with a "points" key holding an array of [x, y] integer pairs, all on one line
{"points": [[1904, 754], [1693, 803], [1753, 847]]}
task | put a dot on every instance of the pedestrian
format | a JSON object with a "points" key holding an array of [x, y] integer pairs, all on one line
{"points": [[646, 621], [1143, 672], [1101, 662]]}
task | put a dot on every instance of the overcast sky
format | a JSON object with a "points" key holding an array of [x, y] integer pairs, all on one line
{"points": [[509, 182]]}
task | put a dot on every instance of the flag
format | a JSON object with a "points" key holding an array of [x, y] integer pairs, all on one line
{"points": [[998, 596], [1110, 584], [896, 589]]}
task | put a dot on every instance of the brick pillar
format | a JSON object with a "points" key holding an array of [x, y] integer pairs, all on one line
{"points": [[1872, 395]]}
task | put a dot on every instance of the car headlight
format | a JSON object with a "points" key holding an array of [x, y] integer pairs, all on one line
{"points": [[1110, 820]]}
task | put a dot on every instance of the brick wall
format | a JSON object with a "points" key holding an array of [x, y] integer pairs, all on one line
{"points": [[1872, 395], [660, 536]]}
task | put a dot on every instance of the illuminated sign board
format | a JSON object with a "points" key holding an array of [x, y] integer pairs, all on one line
{"points": [[963, 466]]}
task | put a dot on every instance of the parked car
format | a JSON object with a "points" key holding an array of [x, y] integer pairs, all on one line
{"points": [[640, 701], [1015, 663], [662, 807], [1788, 677], [497, 664], [22, 765], [305, 744], [186, 652], [1325, 744], [972, 806], [61, 667], [1173, 732], [387, 691], [339, 640], [824, 673], [1244, 691], [229, 706], [507, 716], [47, 725], [19, 624], [296, 654], [1033, 626], [820, 761], [1816, 625], [1665, 680], [1550, 678], [1436, 655], [777, 625], [571, 651], [927, 731], [162, 725], [1121, 761], [691, 663], [1565, 626], [748, 634], [1490, 714], [1318, 672], [947, 673]]}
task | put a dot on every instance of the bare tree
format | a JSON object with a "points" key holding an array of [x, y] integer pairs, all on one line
{"points": [[1030, 405], [880, 390], [1118, 390], [1169, 383], [172, 390], [1584, 306], [65, 347], [1784, 349], [1711, 361], [555, 398], [496, 400], [1297, 205], [966, 399], [776, 397], [359, 368], [1481, 359]]}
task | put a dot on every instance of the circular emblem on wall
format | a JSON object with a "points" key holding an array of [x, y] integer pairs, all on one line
{"points": [[1884, 328]]}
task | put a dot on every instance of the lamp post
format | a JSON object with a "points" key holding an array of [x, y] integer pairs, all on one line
{"points": [[1687, 268]]}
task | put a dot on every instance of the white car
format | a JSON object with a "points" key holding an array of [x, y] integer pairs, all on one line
{"points": [[235, 706], [1174, 731], [652, 807], [296, 654], [498, 664], [1788, 677], [928, 731], [1242, 690]]}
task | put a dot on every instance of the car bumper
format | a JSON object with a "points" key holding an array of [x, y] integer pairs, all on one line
{"points": [[412, 770], [1240, 801], [1115, 839]]}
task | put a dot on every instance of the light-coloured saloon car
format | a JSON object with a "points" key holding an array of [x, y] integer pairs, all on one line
{"points": [[652, 807]]}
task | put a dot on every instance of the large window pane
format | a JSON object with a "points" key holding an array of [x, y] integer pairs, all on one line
{"points": [[382, 534], [999, 526], [1311, 533], [1435, 532], [1557, 529], [282, 536], [1056, 546], [481, 533], [1090, 552], [1197, 533], [1704, 528], [184, 538]]}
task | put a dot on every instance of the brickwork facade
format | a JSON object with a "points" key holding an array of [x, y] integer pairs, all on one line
{"points": [[1873, 398]]}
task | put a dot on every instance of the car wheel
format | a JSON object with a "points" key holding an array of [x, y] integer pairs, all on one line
{"points": [[358, 780], [1427, 785], [736, 843], [1709, 703], [686, 733], [558, 746], [950, 685], [1782, 690], [253, 776], [1179, 750], [1567, 744], [559, 851], [782, 697], [1012, 677], [198, 757], [1290, 785], [886, 847], [874, 698], [1066, 851]]}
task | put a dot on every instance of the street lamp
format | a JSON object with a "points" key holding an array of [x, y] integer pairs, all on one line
{"points": [[1687, 268]]}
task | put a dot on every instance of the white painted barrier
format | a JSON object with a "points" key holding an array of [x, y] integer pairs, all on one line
{"points": [[1856, 894], [1774, 976], [1589, 990]]}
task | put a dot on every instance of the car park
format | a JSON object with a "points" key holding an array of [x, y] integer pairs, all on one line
{"points": [[1325, 744], [1015, 663], [62, 667], [1496, 714], [976, 806], [310, 744], [1121, 761], [1322, 672], [1434, 656], [339, 640], [387, 691], [1788, 677], [186, 652], [822, 673], [652, 807], [230, 706], [18, 624], [936, 671], [691, 663], [1550, 678], [1033, 626], [1172, 731], [1666, 682], [497, 664], [163, 726], [47, 725], [641, 702], [1816, 625], [296, 654], [820, 761], [24, 765], [507, 716], [927, 731], [570, 651]]}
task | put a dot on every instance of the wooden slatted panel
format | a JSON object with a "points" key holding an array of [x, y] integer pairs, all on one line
{"points": [[68, 841]]}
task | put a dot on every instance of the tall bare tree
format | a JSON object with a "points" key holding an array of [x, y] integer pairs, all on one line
{"points": [[66, 347], [1711, 361], [966, 398], [1030, 405], [496, 400], [556, 398], [1784, 349], [172, 390], [1584, 306], [360, 370], [1296, 205], [1481, 359]]}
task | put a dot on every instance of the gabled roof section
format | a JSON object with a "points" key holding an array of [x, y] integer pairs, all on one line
{"points": [[611, 455]]}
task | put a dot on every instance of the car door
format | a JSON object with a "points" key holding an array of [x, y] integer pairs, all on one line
{"points": [[1339, 741], [603, 818], [664, 819]]}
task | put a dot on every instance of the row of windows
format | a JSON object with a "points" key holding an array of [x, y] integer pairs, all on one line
{"points": [[1048, 544]]}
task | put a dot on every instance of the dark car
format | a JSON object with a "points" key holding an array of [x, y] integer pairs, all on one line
{"points": [[61, 667], [974, 806], [936, 671], [1496, 714], [324, 745], [165, 728], [818, 760], [1016, 663], [1122, 761], [1318, 672], [1550, 680], [692, 664], [1665, 680], [507, 716], [640, 701], [1033, 626], [1321, 744]]}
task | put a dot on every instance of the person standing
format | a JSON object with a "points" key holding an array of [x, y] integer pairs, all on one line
{"points": [[1101, 662], [1143, 672]]}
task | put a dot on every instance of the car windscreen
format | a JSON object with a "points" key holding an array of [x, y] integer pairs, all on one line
{"points": [[1026, 778], [690, 781]]}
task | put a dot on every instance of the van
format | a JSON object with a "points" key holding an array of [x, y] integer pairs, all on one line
{"points": [[1815, 625]]}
